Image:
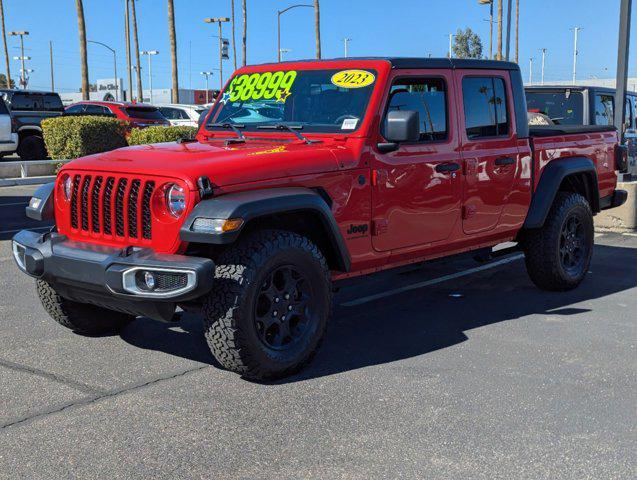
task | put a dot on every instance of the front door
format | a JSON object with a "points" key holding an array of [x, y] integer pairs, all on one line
{"points": [[489, 147], [417, 188]]}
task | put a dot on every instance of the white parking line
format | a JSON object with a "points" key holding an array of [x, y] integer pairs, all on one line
{"points": [[25, 228], [445, 278]]}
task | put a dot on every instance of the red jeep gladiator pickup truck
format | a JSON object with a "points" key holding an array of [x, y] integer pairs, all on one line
{"points": [[306, 173]]}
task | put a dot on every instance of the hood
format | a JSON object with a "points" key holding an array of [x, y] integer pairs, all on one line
{"points": [[223, 165]]}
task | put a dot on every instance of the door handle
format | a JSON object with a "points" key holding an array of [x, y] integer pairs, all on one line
{"points": [[501, 162], [447, 167]]}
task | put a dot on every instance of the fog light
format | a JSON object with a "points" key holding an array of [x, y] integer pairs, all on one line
{"points": [[149, 279], [18, 253], [216, 225]]}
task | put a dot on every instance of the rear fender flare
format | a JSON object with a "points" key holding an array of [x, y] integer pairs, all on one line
{"points": [[254, 204], [550, 181]]}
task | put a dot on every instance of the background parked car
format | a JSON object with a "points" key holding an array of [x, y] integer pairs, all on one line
{"points": [[182, 115], [8, 135], [28, 108], [138, 115]]}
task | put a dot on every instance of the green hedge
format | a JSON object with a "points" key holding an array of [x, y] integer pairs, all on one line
{"points": [[76, 136], [144, 136]]}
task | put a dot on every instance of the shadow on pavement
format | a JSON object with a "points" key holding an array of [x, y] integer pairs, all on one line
{"points": [[13, 217], [421, 321]]}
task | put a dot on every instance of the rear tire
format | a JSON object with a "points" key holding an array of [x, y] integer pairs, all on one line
{"points": [[558, 255], [32, 148], [267, 313], [81, 317]]}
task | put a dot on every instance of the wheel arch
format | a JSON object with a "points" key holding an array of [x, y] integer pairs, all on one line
{"points": [[572, 174], [300, 210]]}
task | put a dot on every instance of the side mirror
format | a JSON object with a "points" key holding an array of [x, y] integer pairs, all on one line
{"points": [[400, 126]]}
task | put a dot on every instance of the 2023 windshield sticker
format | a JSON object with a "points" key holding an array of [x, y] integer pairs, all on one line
{"points": [[261, 86], [353, 78]]}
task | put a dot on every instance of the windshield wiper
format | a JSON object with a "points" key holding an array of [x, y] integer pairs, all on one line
{"points": [[231, 126], [290, 128]]}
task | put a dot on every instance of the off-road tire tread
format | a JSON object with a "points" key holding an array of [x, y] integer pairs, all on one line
{"points": [[542, 260], [235, 271], [80, 317]]}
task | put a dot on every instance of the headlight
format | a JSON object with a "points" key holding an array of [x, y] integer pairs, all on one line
{"points": [[175, 200], [68, 187]]}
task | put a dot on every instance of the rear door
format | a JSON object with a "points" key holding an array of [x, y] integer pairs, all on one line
{"points": [[489, 147], [5, 122], [417, 188]]}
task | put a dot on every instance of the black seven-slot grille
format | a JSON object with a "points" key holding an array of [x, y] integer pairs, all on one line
{"points": [[112, 206]]}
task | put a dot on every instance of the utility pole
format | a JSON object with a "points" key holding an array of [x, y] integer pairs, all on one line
{"points": [[219, 21], [623, 50], [284, 51], [150, 54], [51, 59], [22, 58], [206, 75], [575, 53], [508, 51], [530, 70], [346, 43], [543, 50], [128, 59]]}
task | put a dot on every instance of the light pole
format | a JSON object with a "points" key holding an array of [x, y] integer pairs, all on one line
{"points": [[114, 65], [346, 44], [278, 22], [21, 34], [451, 35], [530, 70], [219, 20], [25, 75], [284, 50], [490, 3], [150, 54], [543, 50], [206, 75], [575, 53]]}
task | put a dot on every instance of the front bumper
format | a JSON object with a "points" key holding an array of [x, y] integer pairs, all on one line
{"points": [[111, 277]]}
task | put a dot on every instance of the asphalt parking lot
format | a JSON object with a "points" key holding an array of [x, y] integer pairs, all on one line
{"points": [[478, 376]]}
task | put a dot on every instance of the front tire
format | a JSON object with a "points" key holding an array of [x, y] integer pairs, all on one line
{"points": [[80, 317], [267, 313], [558, 255]]}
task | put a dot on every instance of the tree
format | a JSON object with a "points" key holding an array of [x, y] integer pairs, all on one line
{"points": [[173, 51], [81, 27], [467, 44], [138, 67], [234, 41], [317, 27], [7, 78], [499, 55], [244, 6], [3, 81]]}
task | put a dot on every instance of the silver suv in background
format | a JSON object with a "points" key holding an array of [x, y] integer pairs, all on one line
{"points": [[8, 134], [182, 115]]}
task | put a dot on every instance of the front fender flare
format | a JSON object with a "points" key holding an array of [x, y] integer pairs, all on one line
{"points": [[552, 177], [253, 204]]}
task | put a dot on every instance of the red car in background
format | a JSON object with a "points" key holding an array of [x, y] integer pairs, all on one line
{"points": [[138, 115]]}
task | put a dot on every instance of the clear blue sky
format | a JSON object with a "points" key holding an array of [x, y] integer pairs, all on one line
{"points": [[409, 28]]}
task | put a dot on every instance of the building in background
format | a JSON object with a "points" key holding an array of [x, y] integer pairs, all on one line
{"points": [[105, 90]]}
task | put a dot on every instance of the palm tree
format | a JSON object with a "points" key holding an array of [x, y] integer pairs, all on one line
{"points": [[234, 41], [499, 54], [517, 29], [138, 68], [81, 27], [245, 32], [317, 27], [173, 51], [6, 50]]}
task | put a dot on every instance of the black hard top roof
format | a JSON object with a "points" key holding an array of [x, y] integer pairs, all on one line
{"points": [[425, 63]]}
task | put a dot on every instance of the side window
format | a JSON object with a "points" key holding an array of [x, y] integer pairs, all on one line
{"points": [[75, 109], [93, 110], [167, 112], [629, 120], [427, 96], [106, 111], [603, 109], [485, 107]]}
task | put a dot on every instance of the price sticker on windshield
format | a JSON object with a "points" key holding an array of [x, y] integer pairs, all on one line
{"points": [[353, 78], [261, 86]]}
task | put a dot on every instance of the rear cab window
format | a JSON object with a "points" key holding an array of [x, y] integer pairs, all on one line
{"points": [[564, 107], [485, 107]]}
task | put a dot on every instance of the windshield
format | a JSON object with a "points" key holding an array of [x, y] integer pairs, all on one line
{"points": [[329, 101], [564, 107]]}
